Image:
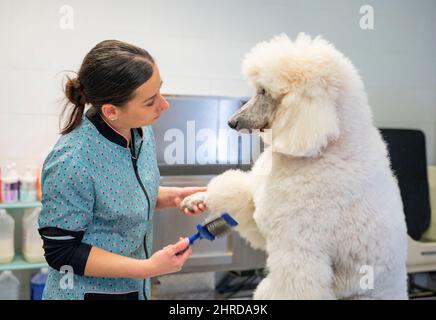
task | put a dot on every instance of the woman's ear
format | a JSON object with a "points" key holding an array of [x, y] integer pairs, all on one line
{"points": [[110, 111], [305, 127]]}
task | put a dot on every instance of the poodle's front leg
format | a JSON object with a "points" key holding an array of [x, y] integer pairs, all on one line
{"points": [[295, 274], [231, 192]]}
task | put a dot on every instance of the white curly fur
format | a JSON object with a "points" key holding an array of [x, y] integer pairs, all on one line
{"points": [[330, 205]]}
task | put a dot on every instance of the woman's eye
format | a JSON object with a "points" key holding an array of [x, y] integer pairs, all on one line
{"points": [[150, 104]]}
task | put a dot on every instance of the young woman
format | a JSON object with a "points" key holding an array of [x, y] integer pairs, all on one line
{"points": [[100, 182]]}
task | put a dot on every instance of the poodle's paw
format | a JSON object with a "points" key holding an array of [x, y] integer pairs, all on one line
{"points": [[193, 200]]}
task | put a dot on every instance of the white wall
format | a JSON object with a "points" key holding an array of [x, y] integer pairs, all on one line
{"points": [[199, 45]]}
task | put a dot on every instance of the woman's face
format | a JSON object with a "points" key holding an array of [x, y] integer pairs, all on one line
{"points": [[146, 106]]}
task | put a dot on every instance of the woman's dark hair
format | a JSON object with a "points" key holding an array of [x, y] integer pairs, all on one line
{"points": [[110, 73]]}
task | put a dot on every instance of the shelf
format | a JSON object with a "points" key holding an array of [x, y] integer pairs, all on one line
{"points": [[20, 205], [20, 264], [17, 209]]}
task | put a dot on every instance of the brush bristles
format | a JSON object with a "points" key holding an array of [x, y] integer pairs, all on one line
{"points": [[218, 227]]}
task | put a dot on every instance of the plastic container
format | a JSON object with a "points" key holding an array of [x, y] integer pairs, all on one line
{"points": [[38, 185], [9, 286], [1, 186], [7, 226], [28, 192], [37, 284], [10, 183], [31, 240]]}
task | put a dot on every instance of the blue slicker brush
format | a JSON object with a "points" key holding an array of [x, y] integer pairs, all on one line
{"points": [[214, 228]]}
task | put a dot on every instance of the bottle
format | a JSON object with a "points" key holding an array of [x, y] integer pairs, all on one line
{"points": [[38, 184], [9, 286], [7, 226], [28, 185], [37, 284], [31, 240], [10, 184], [1, 186]]}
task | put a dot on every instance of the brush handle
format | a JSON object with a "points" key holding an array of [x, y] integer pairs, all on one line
{"points": [[191, 239], [194, 237]]}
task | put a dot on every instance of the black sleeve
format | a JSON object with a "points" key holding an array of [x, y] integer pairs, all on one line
{"points": [[65, 248]]}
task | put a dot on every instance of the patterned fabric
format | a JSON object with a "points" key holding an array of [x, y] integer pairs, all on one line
{"points": [[89, 184]]}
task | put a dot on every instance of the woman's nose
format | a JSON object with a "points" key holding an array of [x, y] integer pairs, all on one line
{"points": [[164, 104]]}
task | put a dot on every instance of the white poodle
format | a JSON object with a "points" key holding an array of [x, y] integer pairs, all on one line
{"points": [[321, 200]]}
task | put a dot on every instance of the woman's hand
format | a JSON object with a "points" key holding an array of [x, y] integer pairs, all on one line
{"points": [[166, 260], [190, 204], [171, 197], [195, 209]]}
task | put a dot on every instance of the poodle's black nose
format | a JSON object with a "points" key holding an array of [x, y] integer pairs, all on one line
{"points": [[232, 124]]}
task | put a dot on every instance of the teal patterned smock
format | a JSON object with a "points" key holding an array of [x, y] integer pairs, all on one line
{"points": [[89, 184]]}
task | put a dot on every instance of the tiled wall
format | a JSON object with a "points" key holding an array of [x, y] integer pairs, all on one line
{"points": [[199, 45]]}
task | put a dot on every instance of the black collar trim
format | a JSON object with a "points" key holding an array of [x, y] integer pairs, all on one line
{"points": [[94, 116]]}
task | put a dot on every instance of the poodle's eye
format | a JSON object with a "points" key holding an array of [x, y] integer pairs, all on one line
{"points": [[261, 91]]}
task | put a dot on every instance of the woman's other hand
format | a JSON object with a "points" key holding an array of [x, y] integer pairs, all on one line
{"points": [[168, 260]]}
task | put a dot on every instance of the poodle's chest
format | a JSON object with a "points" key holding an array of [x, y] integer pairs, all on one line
{"points": [[269, 203]]}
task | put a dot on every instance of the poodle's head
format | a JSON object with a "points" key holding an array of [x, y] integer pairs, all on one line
{"points": [[299, 88]]}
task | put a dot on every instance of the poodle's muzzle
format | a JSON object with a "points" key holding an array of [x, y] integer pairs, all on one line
{"points": [[255, 114]]}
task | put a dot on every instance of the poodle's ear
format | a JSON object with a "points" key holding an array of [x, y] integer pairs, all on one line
{"points": [[306, 126]]}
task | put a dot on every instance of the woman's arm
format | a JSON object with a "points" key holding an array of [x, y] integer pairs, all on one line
{"points": [[171, 197], [103, 263]]}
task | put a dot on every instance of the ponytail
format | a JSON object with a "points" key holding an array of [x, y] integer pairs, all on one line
{"points": [[76, 97]]}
